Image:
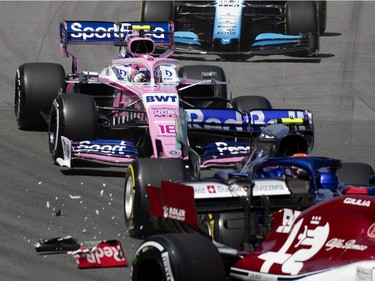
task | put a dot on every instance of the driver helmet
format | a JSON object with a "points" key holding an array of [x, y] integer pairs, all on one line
{"points": [[139, 74], [296, 172]]}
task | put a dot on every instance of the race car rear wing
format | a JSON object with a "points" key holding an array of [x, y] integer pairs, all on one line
{"points": [[232, 121], [115, 33], [234, 124]]}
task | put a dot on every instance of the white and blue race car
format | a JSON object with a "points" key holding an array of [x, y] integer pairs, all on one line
{"points": [[229, 27]]}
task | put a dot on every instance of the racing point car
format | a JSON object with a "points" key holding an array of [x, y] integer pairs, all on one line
{"points": [[332, 240], [128, 109], [242, 27]]}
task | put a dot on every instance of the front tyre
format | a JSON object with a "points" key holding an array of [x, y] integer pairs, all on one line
{"points": [[322, 16], [247, 103], [178, 257], [302, 17], [36, 86], [157, 11], [74, 116], [199, 92]]}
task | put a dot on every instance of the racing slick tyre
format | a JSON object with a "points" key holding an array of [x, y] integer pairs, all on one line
{"points": [[355, 173], [197, 94], [74, 116], [36, 86], [322, 5], [178, 257], [247, 103], [303, 17], [142, 172], [157, 11]]}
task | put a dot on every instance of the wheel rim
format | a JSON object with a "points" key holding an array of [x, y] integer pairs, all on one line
{"points": [[129, 201], [207, 225], [52, 132], [17, 100]]}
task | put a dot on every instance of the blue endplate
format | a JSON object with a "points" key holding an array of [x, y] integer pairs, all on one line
{"points": [[186, 37], [275, 39]]}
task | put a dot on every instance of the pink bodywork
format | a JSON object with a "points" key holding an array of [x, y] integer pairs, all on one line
{"points": [[158, 98]]}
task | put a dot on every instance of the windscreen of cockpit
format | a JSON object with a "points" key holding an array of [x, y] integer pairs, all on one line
{"points": [[261, 150], [132, 72]]}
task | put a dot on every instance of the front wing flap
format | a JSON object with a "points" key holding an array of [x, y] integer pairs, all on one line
{"points": [[114, 152], [264, 44]]}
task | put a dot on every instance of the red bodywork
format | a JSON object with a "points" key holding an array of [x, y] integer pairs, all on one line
{"points": [[328, 235], [334, 234]]}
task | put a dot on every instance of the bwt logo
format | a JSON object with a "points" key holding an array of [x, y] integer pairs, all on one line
{"points": [[161, 99], [168, 73], [94, 30]]}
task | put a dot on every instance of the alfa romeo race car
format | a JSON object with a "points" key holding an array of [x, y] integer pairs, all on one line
{"points": [[129, 109], [331, 240], [228, 27]]}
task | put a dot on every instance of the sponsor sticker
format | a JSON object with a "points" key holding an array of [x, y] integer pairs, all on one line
{"points": [[270, 187], [104, 254], [371, 231], [217, 190], [106, 148], [357, 202], [337, 243]]}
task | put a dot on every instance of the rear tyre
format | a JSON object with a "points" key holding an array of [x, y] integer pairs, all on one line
{"points": [[142, 172], [246, 103], [178, 257], [355, 173], [73, 116], [157, 11], [219, 91], [303, 17], [36, 86]]}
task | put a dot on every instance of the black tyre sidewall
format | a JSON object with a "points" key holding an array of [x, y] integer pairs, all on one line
{"points": [[73, 116], [36, 86], [157, 11], [246, 103], [302, 17], [183, 256], [322, 16], [220, 91]]}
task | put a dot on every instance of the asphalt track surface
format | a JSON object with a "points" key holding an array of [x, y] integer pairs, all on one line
{"points": [[337, 86]]}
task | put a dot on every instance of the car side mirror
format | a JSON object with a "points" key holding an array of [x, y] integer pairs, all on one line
{"points": [[209, 75]]}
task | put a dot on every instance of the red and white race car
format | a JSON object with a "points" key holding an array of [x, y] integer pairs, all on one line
{"points": [[332, 240]]}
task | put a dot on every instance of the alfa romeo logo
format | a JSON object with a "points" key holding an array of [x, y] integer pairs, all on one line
{"points": [[371, 231]]}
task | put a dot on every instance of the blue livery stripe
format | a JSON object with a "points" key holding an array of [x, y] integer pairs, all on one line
{"points": [[275, 39], [273, 36]]}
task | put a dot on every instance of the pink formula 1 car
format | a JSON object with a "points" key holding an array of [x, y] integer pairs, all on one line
{"points": [[128, 110]]}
